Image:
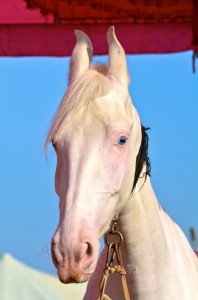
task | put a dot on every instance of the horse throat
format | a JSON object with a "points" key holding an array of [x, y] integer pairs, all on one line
{"points": [[144, 248]]}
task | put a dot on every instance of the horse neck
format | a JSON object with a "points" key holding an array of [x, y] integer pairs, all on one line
{"points": [[151, 239]]}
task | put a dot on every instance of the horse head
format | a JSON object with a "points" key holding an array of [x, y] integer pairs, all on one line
{"points": [[96, 134]]}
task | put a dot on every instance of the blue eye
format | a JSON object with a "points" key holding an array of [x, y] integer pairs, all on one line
{"points": [[122, 140]]}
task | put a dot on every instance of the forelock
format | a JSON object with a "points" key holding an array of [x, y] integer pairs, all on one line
{"points": [[87, 87]]}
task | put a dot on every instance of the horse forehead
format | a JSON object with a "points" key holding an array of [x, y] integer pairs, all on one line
{"points": [[111, 107], [99, 113], [114, 99]]}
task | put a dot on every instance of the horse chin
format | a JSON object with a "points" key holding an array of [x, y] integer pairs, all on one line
{"points": [[78, 278], [74, 275]]}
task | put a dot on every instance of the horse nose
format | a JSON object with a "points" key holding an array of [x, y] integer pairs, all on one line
{"points": [[73, 262], [82, 250]]}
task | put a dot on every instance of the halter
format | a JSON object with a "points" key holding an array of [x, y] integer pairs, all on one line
{"points": [[113, 237]]}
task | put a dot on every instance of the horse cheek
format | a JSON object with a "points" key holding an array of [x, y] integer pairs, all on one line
{"points": [[118, 169]]}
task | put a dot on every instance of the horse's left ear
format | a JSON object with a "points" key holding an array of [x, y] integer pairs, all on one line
{"points": [[81, 55], [117, 65]]}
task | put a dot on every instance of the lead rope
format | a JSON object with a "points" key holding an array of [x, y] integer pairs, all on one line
{"points": [[113, 253]]}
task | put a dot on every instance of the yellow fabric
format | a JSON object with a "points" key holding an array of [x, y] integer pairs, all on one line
{"points": [[19, 282]]}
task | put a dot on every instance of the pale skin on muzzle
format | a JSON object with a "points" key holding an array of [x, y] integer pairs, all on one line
{"points": [[96, 134]]}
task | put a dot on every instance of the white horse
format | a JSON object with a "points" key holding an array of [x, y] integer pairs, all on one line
{"points": [[97, 135]]}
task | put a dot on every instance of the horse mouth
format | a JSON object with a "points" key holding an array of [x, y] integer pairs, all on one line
{"points": [[75, 278]]}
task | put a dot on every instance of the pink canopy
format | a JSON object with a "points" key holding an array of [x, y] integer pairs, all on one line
{"points": [[34, 32]]}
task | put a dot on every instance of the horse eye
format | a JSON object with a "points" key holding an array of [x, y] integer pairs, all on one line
{"points": [[53, 144], [122, 140]]}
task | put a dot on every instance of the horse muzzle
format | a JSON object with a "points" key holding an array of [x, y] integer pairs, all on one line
{"points": [[72, 273], [75, 261]]}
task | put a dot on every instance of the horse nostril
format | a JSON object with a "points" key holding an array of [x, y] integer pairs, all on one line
{"points": [[55, 252], [89, 251]]}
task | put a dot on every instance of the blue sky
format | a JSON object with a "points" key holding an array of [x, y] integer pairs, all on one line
{"points": [[165, 93]]}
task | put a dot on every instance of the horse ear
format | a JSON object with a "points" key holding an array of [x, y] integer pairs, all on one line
{"points": [[81, 55], [117, 65]]}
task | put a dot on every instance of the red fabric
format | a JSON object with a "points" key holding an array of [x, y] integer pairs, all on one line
{"points": [[59, 40], [27, 33], [15, 12], [122, 11], [195, 24]]}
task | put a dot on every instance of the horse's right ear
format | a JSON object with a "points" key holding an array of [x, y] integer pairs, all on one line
{"points": [[81, 55]]}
